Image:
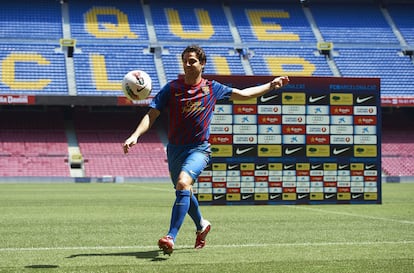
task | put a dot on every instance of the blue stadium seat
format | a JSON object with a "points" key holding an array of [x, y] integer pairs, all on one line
{"points": [[293, 24], [107, 20], [353, 23], [288, 61], [395, 70], [27, 19], [32, 69], [402, 15], [116, 61], [194, 21]]}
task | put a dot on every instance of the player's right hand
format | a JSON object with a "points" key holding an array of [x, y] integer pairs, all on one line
{"points": [[131, 141]]}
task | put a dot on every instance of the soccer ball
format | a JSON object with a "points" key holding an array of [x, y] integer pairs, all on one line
{"points": [[137, 85]]}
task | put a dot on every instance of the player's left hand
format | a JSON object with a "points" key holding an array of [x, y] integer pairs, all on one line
{"points": [[279, 82], [131, 141]]}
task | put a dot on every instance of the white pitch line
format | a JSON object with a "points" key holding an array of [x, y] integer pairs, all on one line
{"points": [[354, 215], [304, 244]]}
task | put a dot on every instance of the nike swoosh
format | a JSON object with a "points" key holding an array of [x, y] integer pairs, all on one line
{"points": [[367, 167], [301, 196], [342, 166], [288, 152], [266, 99], [361, 100], [328, 196], [337, 152], [232, 167], [258, 167], [312, 99], [288, 167], [216, 197], [274, 196], [315, 166], [242, 151], [179, 94], [244, 197], [356, 196]]}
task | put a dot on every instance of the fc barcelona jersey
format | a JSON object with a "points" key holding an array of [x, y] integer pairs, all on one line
{"points": [[190, 108]]}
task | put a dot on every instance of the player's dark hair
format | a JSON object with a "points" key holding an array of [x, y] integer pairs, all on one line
{"points": [[201, 55]]}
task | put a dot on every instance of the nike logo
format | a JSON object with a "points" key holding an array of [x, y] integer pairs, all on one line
{"points": [[354, 196], [343, 166], [217, 197], [367, 167], [329, 196], [274, 196], [286, 167], [242, 151], [179, 94], [339, 151], [244, 197], [258, 167], [301, 196], [291, 151], [315, 166], [312, 99], [266, 99], [232, 167], [361, 100]]}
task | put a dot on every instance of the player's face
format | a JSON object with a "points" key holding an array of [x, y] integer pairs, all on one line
{"points": [[192, 65]]}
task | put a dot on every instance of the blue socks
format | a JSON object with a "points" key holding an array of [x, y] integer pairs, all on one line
{"points": [[194, 212], [179, 211]]}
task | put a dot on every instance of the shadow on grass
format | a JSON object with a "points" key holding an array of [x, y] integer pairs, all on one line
{"points": [[153, 255]]}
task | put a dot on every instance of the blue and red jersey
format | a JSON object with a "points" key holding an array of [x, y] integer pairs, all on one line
{"points": [[190, 108]]}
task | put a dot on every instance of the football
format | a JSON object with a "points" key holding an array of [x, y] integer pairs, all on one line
{"points": [[137, 85]]}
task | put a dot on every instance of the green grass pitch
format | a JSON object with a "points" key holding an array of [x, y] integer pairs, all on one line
{"points": [[115, 228]]}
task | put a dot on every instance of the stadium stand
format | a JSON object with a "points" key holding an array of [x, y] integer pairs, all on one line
{"points": [[383, 63], [32, 69], [107, 21], [26, 19], [397, 143], [100, 136], [271, 22], [99, 69], [33, 144], [353, 24], [403, 18], [190, 21], [289, 61]]}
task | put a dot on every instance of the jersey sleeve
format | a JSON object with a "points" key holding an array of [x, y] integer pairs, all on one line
{"points": [[221, 91], [160, 101]]}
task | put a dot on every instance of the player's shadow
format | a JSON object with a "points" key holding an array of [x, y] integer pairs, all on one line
{"points": [[153, 255]]}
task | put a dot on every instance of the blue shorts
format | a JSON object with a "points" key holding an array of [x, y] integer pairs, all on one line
{"points": [[189, 158]]}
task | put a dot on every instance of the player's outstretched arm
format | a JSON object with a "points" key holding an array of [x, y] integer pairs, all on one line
{"points": [[143, 126], [256, 91]]}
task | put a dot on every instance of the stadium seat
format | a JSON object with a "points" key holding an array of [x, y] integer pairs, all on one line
{"points": [[39, 20], [353, 23], [99, 69], [47, 70], [272, 22], [189, 21], [395, 70]]}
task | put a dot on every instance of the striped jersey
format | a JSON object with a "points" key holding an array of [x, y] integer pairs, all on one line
{"points": [[190, 108]]}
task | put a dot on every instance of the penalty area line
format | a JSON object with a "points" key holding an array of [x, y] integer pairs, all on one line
{"points": [[304, 244]]}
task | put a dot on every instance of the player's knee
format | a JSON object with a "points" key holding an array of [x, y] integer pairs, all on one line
{"points": [[184, 182]]}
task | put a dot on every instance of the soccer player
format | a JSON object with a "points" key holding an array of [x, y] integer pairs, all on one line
{"points": [[190, 102]]}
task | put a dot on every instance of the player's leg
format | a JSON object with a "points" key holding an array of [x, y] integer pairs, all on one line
{"points": [[182, 183], [194, 165]]}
